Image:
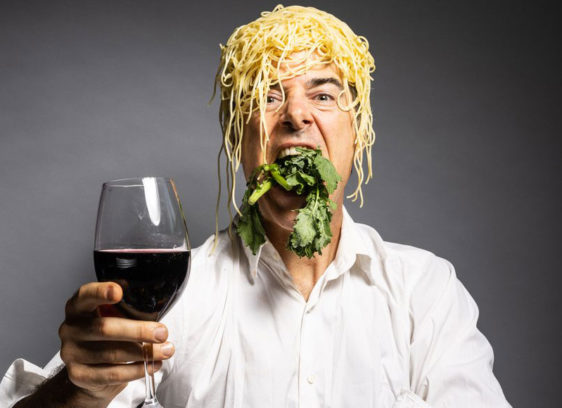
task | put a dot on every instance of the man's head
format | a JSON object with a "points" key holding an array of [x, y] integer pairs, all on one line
{"points": [[296, 76]]}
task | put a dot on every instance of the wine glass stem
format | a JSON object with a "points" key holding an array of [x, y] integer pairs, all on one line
{"points": [[150, 398]]}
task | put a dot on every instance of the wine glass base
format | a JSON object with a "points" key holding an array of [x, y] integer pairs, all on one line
{"points": [[154, 404]]}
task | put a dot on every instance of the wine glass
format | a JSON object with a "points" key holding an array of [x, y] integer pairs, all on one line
{"points": [[142, 244]]}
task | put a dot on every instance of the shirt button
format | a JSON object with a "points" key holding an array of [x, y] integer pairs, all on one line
{"points": [[311, 379]]}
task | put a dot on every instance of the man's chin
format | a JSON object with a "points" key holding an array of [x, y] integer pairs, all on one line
{"points": [[285, 200], [278, 207]]}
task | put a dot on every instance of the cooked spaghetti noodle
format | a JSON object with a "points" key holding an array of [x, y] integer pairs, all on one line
{"points": [[250, 65]]}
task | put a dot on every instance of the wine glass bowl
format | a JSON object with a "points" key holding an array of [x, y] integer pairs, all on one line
{"points": [[142, 244], [145, 296]]}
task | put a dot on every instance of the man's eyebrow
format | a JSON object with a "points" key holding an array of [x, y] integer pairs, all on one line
{"points": [[314, 82]]}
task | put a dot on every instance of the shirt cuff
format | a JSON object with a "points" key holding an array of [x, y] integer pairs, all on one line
{"points": [[21, 379], [407, 399]]}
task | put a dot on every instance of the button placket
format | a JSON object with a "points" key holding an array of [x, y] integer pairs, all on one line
{"points": [[308, 379]]}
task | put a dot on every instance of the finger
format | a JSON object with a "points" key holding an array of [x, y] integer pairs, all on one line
{"points": [[91, 376], [116, 352], [91, 295], [114, 329]]}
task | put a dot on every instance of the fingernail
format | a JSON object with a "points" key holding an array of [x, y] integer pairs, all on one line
{"points": [[167, 349], [160, 334]]}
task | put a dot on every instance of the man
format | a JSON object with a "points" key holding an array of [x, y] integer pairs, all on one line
{"points": [[365, 323]]}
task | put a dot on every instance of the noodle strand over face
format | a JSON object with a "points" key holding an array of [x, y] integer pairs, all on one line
{"points": [[250, 65]]}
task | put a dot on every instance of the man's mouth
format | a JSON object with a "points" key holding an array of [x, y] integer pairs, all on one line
{"points": [[289, 151]]}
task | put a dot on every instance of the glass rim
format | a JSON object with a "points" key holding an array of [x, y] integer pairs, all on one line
{"points": [[131, 181]]}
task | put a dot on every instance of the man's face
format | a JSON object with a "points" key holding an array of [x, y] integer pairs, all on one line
{"points": [[309, 117]]}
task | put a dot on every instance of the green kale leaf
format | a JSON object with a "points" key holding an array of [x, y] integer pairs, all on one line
{"points": [[249, 225], [307, 173]]}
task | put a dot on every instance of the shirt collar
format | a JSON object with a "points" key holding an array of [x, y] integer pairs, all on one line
{"points": [[352, 250]]}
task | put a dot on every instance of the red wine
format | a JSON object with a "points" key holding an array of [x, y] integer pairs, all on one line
{"points": [[150, 278]]}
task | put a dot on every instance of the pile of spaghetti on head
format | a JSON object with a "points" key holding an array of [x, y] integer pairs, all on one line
{"points": [[251, 64]]}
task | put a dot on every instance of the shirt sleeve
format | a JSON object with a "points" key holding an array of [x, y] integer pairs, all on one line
{"points": [[23, 378], [450, 359]]}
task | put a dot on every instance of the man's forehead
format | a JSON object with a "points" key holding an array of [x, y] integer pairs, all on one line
{"points": [[314, 73]]}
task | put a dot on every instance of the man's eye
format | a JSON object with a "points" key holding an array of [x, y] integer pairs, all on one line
{"points": [[324, 97], [270, 99]]}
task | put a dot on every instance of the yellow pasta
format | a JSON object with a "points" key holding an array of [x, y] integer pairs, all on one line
{"points": [[250, 63]]}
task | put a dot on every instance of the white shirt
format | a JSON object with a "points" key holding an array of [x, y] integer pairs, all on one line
{"points": [[386, 326]]}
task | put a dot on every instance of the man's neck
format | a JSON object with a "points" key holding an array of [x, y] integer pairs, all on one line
{"points": [[305, 271]]}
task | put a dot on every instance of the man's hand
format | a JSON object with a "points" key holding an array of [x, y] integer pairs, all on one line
{"points": [[101, 354], [95, 348]]}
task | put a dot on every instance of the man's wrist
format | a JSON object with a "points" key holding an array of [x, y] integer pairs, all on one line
{"points": [[59, 392]]}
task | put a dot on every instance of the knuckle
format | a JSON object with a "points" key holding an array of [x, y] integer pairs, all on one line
{"points": [[66, 354], [100, 327], [109, 355], [82, 291], [61, 330], [114, 376], [69, 305], [75, 374], [143, 332]]}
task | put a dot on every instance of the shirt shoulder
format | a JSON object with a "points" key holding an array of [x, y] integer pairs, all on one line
{"points": [[212, 253], [410, 275], [415, 260]]}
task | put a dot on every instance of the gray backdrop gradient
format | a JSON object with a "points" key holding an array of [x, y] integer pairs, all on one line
{"points": [[467, 159]]}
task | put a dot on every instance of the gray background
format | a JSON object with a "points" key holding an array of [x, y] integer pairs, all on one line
{"points": [[467, 159]]}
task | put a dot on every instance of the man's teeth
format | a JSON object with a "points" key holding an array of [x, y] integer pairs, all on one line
{"points": [[289, 151]]}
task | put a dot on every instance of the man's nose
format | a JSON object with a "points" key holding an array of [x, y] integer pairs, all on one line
{"points": [[296, 113]]}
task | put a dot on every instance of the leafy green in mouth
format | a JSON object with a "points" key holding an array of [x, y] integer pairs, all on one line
{"points": [[308, 174]]}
